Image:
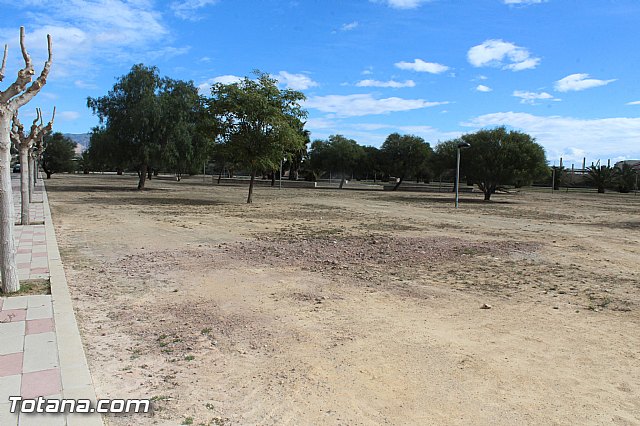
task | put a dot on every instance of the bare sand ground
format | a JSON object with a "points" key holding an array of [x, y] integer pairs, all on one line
{"points": [[354, 308]]}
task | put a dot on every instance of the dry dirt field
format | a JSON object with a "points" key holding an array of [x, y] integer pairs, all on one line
{"points": [[332, 307]]}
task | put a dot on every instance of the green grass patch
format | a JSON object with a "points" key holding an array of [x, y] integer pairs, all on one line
{"points": [[31, 288]]}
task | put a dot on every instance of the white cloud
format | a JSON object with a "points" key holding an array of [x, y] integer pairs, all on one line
{"points": [[350, 26], [364, 104], [87, 33], [483, 88], [564, 136], [401, 4], [501, 54], [633, 103], [530, 98], [577, 82], [81, 84], [205, 87], [419, 65], [295, 81], [390, 83], [367, 71], [189, 9], [227, 79], [68, 115]]}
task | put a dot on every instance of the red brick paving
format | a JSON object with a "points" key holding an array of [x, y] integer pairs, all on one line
{"points": [[11, 364]]}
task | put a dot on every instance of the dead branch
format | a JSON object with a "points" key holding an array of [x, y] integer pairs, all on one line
{"points": [[17, 130], [16, 95], [44, 131], [4, 62]]}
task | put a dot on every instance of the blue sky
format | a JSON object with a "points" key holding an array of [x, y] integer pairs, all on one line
{"points": [[565, 71]]}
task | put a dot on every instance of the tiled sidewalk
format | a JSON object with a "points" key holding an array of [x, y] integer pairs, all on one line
{"points": [[41, 352], [36, 207], [31, 260], [29, 364]]}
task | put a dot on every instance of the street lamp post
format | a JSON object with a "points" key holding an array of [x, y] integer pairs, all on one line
{"points": [[461, 145], [281, 161]]}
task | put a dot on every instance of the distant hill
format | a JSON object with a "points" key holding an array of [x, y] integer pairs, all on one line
{"points": [[82, 139]]}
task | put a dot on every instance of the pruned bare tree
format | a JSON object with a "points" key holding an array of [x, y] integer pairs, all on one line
{"points": [[24, 144], [21, 91], [37, 150]]}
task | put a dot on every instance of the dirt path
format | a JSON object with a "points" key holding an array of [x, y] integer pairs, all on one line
{"points": [[329, 307]]}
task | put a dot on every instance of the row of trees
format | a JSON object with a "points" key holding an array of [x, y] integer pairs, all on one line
{"points": [[149, 123], [497, 157], [622, 178], [12, 135], [403, 156]]}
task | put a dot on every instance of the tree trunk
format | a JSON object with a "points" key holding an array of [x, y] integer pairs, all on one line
{"points": [[342, 182], [119, 172], [32, 178], [219, 176], [395, 188], [149, 173], [488, 190], [36, 165], [143, 176], [253, 178], [8, 270], [273, 179], [49, 173], [24, 185]]}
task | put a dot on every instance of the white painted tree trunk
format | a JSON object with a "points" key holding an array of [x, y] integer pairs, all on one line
{"points": [[24, 185], [8, 268], [32, 165], [18, 94]]}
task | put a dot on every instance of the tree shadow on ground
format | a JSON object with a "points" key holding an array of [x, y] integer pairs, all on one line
{"points": [[100, 188], [152, 201], [442, 200]]}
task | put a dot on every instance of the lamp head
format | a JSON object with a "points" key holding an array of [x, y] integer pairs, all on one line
{"points": [[464, 145]]}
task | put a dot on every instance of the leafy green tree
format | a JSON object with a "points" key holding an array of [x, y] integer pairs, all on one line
{"points": [[132, 115], [443, 161], [151, 123], [626, 177], [83, 163], [297, 157], [103, 153], [600, 177], [186, 135], [341, 155], [405, 156], [371, 163], [318, 162], [497, 157], [59, 154], [260, 122], [558, 175]]}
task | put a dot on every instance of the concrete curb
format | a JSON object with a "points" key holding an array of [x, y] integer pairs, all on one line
{"points": [[74, 370]]}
